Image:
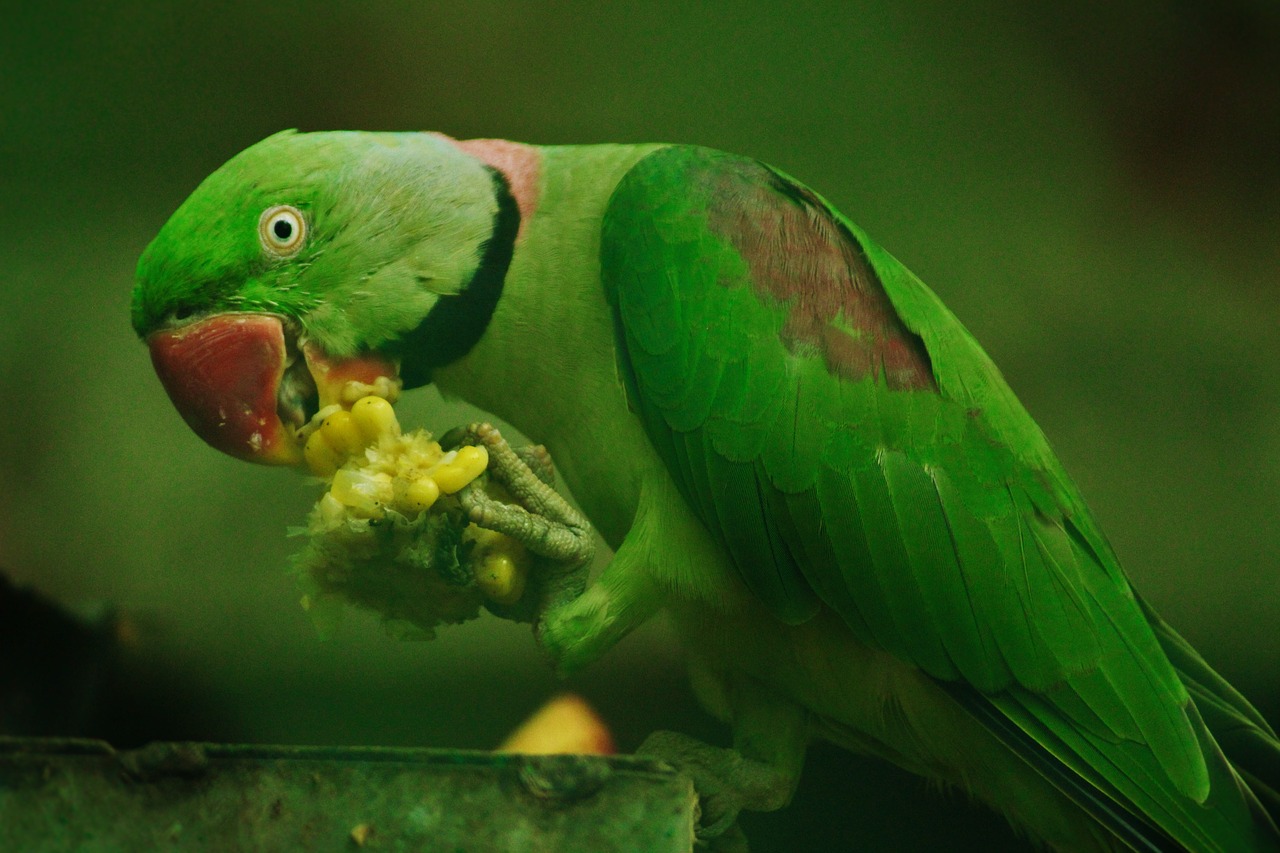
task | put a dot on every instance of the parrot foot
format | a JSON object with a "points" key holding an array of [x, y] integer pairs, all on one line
{"points": [[725, 781], [540, 519], [579, 632], [528, 473], [538, 460], [585, 627]]}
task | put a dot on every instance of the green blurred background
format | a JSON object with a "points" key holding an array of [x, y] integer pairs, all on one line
{"points": [[1095, 192]]}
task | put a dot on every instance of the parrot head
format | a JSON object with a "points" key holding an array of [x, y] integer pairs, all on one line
{"points": [[308, 262]]}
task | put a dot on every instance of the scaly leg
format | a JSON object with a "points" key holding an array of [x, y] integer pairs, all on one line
{"points": [[541, 520], [581, 629], [628, 591], [760, 772], [538, 460]]}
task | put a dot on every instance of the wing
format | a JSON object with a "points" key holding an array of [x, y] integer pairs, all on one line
{"points": [[849, 444]]}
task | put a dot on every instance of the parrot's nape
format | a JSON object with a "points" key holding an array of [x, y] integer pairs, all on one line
{"points": [[791, 445]]}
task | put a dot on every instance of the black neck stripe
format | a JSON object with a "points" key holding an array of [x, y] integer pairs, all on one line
{"points": [[457, 322]]}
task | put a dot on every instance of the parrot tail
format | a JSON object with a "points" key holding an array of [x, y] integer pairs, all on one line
{"points": [[1246, 739]]}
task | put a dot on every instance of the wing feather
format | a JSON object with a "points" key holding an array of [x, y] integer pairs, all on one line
{"points": [[849, 444]]}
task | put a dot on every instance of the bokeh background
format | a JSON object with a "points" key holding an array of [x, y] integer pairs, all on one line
{"points": [[1094, 188]]}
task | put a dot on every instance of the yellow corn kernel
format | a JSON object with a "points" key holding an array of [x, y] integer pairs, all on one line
{"points": [[340, 430], [320, 455], [500, 578], [374, 417], [486, 540], [318, 417], [501, 564], [459, 467], [419, 495]]}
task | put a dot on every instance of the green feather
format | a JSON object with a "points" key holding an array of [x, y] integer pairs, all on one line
{"points": [[836, 431], [929, 513], [948, 596], [387, 237]]}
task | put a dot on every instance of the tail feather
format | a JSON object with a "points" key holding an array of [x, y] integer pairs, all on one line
{"points": [[1138, 806], [1101, 802], [1244, 737]]}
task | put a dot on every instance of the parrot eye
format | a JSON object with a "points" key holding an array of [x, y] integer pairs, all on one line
{"points": [[282, 230]]}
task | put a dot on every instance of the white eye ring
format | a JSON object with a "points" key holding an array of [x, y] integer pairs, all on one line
{"points": [[282, 230]]}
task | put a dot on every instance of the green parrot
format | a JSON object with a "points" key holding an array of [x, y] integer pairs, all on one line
{"points": [[788, 441]]}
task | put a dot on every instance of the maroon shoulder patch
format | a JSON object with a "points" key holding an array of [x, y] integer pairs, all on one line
{"points": [[801, 256]]}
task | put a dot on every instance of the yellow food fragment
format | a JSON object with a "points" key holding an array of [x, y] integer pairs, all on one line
{"points": [[381, 483], [331, 509], [320, 456], [419, 495], [502, 564], [459, 467], [363, 492], [337, 435], [383, 386], [374, 417], [500, 579], [340, 430], [318, 417]]}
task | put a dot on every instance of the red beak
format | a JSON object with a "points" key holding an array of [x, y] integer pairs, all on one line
{"points": [[223, 375]]}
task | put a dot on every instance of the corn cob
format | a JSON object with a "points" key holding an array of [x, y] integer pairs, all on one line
{"points": [[377, 474]]}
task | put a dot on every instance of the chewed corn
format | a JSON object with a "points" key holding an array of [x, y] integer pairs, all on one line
{"points": [[379, 473], [366, 493], [501, 564], [374, 417], [418, 496], [342, 434], [459, 467], [375, 467]]}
